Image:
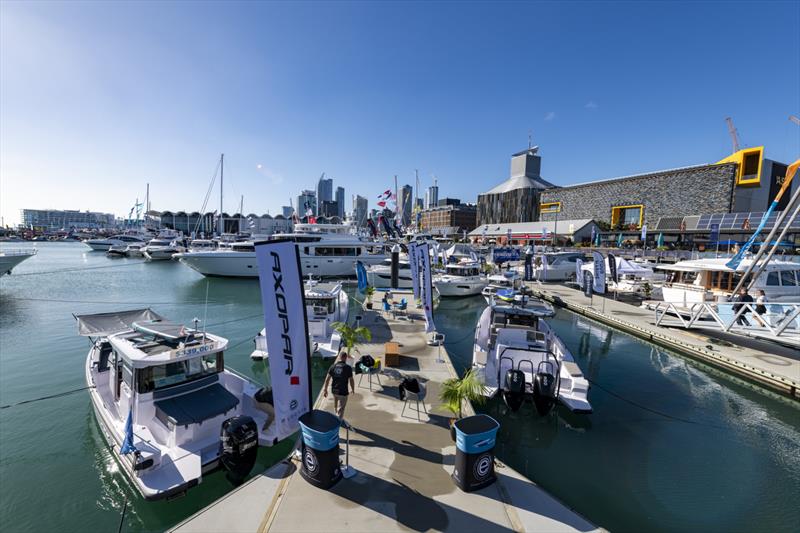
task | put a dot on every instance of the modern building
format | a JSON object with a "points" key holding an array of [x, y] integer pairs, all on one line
{"points": [[340, 201], [305, 201], [448, 201], [517, 198], [287, 211], [53, 219], [329, 209], [324, 191], [205, 224], [449, 219], [405, 202], [360, 210], [432, 195], [419, 204]]}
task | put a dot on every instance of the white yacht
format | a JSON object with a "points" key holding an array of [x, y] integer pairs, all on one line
{"points": [[117, 250], [503, 281], [380, 275], [202, 245], [560, 266], [516, 353], [633, 277], [326, 303], [11, 258], [326, 250], [134, 249], [166, 404], [709, 280], [160, 249], [460, 279], [102, 245]]}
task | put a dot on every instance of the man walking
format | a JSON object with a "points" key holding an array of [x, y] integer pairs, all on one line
{"points": [[740, 299], [339, 375]]}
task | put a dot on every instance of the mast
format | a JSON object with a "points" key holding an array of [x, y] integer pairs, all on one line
{"points": [[221, 220], [146, 204], [241, 214], [396, 200]]}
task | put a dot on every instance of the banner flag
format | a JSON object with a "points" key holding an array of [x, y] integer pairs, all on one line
{"points": [[413, 263], [529, 267], [426, 286], [714, 235], [544, 268], [579, 271], [361, 276], [282, 297], [612, 268], [599, 273], [594, 234], [644, 233], [587, 283]]}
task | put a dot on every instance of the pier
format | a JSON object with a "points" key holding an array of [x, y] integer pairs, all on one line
{"points": [[403, 461], [773, 366]]}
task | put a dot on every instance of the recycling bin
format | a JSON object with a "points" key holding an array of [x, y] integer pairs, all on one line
{"points": [[320, 449], [475, 440]]}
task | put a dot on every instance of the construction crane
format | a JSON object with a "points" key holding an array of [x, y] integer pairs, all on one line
{"points": [[733, 133], [794, 119]]}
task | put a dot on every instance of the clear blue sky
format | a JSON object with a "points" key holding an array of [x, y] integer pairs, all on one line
{"points": [[97, 99]]}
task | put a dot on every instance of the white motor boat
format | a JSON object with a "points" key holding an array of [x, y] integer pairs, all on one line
{"points": [[633, 278], [560, 266], [117, 251], [102, 245], [517, 354], [380, 275], [202, 245], [162, 249], [506, 280], [11, 258], [460, 279], [134, 249], [326, 303], [324, 252], [163, 389]]}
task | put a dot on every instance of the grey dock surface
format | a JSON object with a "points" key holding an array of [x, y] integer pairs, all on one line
{"points": [[769, 364], [404, 465]]}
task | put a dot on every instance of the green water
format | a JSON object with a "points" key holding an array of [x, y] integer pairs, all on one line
{"points": [[715, 456]]}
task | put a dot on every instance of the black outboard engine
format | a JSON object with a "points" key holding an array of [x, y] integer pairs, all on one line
{"points": [[514, 390], [238, 447], [545, 388]]}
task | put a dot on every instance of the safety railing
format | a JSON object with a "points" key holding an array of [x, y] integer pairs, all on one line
{"points": [[779, 320]]}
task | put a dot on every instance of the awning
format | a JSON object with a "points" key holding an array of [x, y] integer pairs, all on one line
{"points": [[105, 324]]}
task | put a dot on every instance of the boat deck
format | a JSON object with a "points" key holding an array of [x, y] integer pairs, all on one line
{"points": [[403, 461]]}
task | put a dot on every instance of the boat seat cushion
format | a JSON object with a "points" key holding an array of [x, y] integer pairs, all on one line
{"points": [[196, 406]]}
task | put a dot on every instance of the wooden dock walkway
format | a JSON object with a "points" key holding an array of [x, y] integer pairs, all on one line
{"points": [[404, 466]]}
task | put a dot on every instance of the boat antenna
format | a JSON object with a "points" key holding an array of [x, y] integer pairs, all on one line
{"points": [[205, 313]]}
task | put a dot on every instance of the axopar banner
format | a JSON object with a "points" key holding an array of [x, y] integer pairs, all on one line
{"points": [[426, 285], [282, 298]]}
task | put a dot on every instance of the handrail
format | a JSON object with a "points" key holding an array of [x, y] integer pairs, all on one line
{"points": [[784, 322]]}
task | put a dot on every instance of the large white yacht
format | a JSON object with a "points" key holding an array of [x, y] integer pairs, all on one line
{"points": [[461, 279], [326, 250], [516, 353], [380, 275], [162, 249], [102, 245], [709, 280], [11, 258], [166, 404], [326, 303]]}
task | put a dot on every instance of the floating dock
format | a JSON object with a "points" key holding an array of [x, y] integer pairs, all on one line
{"points": [[770, 365], [403, 460]]}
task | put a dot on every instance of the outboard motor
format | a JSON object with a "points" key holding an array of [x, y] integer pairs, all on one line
{"points": [[514, 389], [238, 447], [545, 388]]}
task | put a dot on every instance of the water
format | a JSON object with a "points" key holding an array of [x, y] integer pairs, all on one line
{"points": [[723, 457]]}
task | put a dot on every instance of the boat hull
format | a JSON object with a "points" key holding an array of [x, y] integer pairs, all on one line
{"points": [[245, 265], [460, 288]]}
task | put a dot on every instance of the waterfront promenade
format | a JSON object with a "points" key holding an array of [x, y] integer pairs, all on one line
{"points": [[773, 366], [403, 464]]}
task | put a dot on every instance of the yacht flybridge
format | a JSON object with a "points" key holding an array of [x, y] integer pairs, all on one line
{"points": [[380, 275], [517, 354], [161, 390], [461, 279], [326, 303]]}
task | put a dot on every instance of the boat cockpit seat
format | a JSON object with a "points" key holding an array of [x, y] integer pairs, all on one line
{"points": [[105, 353]]}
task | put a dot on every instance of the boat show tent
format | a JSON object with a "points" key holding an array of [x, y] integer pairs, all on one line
{"points": [[577, 230], [624, 267]]}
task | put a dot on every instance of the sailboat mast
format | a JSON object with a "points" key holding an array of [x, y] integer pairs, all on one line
{"points": [[221, 173], [241, 214], [396, 200]]}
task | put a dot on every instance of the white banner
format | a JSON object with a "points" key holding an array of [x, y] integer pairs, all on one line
{"points": [[599, 273], [579, 270], [282, 298], [426, 286], [544, 267], [413, 263]]}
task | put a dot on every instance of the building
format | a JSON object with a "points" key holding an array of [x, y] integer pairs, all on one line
{"points": [[205, 224], [54, 219], [305, 201], [525, 233], [340, 201], [324, 191], [432, 195], [329, 209], [360, 210], [517, 198], [419, 204], [449, 219], [405, 202], [287, 211], [448, 201]]}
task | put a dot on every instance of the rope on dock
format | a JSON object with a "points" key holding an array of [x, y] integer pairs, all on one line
{"points": [[59, 395]]}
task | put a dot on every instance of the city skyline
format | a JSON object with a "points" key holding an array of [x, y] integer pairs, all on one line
{"points": [[99, 100]]}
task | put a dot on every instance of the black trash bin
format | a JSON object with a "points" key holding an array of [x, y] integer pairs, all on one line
{"points": [[475, 440], [320, 449]]}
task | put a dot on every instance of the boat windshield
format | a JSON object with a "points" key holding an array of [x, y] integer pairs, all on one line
{"points": [[158, 377], [326, 305]]}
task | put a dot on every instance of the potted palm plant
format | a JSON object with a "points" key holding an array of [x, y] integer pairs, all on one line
{"points": [[369, 291], [455, 392], [352, 336]]}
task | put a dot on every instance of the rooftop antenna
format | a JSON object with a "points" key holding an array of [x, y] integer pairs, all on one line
{"points": [[530, 135], [205, 314], [794, 119], [733, 133]]}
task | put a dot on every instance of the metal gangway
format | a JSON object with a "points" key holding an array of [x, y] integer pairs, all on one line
{"points": [[781, 322]]}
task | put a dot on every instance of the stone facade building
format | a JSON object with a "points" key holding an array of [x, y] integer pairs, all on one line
{"points": [[449, 219]]}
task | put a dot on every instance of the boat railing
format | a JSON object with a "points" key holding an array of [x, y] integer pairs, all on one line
{"points": [[780, 322], [18, 251]]}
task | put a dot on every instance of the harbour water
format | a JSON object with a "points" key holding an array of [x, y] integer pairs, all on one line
{"points": [[671, 445]]}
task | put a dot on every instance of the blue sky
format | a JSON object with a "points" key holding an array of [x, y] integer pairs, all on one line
{"points": [[97, 99]]}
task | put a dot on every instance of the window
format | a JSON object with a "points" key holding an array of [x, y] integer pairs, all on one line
{"points": [[325, 305], [772, 278], [787, 278], [162, 376], [550, 207], [627, 215]]}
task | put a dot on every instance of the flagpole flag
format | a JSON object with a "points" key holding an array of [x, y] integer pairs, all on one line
{"points": [[599, 273], [413, 263], [283, 300], [426, 287], [127, 444]]}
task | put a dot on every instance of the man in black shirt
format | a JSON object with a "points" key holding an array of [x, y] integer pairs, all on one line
{"points": [[339, 375], [741, 298]]}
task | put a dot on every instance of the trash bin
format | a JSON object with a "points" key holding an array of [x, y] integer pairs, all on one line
{"points": [[320, 448], [475, 440]]}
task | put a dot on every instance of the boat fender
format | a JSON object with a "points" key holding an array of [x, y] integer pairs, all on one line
{"points": [[238, 447]]}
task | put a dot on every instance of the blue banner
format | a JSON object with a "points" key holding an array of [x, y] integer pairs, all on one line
{"points": [[714, 235], [361, 275], [501, 255]]}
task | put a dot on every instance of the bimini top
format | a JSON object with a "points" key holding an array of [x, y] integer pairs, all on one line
{"points": [[162, 328], [105, 324]]}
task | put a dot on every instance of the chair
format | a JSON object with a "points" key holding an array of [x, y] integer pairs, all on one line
{"points": [[402, 307], [416, 397], [370, 371]]}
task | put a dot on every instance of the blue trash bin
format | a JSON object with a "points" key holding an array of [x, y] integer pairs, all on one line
{"points": [[320, 449], [475, 440]]}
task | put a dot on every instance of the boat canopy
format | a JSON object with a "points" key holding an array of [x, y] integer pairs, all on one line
{"points": [[105, 324]]}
